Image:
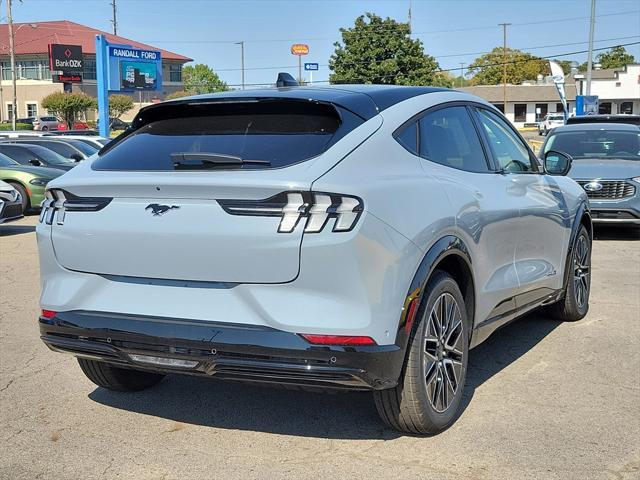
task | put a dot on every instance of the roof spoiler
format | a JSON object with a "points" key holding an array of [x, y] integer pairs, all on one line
{"points": [[286, 80]]}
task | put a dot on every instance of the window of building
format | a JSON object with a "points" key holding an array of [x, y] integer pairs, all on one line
{"points": [[175, 72], [559, 108], [9, 111], [541, 110], [626, 108], [520, 112], [32, 110], [448, 137], [604, 108], [89, 69], [499, 106]]}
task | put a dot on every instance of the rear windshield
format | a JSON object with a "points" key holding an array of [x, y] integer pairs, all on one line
{"points": [[247, 135]]}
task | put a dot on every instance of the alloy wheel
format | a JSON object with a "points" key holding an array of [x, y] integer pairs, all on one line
{"points": [[582, 271], [443, 352]]}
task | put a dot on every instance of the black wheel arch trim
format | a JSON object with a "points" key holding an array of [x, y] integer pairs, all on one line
{"points": [[583, 210], [441, 249]]}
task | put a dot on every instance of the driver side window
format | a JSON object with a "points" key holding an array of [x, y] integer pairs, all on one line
{"points": [[508, 150]]}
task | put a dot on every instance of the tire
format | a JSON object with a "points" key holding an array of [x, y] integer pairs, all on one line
{"points": [[45, 128], [118, 379], [575, 304], [414, 406], [26, 201]]}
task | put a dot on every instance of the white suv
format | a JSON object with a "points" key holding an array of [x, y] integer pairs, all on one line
{"points": [[353, 237], [551, 120]]}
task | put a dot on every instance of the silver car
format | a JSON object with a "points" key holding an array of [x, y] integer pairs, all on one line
{"points": [[606, 163], [354, 237]]}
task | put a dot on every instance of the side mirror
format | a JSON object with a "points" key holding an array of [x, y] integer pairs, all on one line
{"points": [[76, 157], [35, 162], [557, 163]]}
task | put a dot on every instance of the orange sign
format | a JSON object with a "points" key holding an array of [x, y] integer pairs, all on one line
{"points": [[300, 49]]}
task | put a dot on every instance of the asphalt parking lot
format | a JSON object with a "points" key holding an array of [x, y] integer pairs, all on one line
{"points": [[544, 400]]}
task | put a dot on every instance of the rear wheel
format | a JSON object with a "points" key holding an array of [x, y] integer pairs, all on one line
{"points": [[575, 304], [26, 201], [428, 396], [118, 379]]}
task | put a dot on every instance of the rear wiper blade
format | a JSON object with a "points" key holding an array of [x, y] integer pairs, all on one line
{"points": [[187, 159]]}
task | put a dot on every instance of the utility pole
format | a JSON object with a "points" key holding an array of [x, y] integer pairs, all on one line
{"points": [[590, 59], [504, 66], [12, 51], [462, 64], [409, 17], [115, 17], [241, 60]]}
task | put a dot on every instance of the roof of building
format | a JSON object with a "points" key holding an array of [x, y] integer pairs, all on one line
{"points": [[363, 100], [521, 93], [34, 38]]}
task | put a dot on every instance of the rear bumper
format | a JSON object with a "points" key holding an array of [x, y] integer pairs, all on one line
{"points": [[228, 351]]}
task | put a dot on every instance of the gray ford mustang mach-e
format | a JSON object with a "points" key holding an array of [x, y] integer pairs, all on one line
{"points": [[355, 236]]}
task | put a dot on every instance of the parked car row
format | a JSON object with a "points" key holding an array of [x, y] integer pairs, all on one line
{"points": [[30, 159]]}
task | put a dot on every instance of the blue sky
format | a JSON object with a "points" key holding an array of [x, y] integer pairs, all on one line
{"points": [[452, 31]]}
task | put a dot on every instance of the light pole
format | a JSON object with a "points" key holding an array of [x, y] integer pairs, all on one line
{"points": [[462, 64], [590, 59], [12, 51], [241, 60]]}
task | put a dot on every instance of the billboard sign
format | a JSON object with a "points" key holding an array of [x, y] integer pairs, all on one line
{"points": [[132, 69], [65, 63], [311, 67], [586, 105], [299, 49]]}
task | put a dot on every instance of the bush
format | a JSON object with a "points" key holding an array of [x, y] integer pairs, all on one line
{"points": [[177, 94], [68, 105], [19, 126]]}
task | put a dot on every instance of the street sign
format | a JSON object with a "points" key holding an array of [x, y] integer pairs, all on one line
{"points": [[311, 66], [132, 69], [66, 62], [299, 49]]}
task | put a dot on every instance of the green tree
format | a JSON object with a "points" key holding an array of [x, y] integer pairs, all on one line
{"points": [[521, 66], [377, 50], [201, 78], [68, 106], [617, 57], [119, 105]]}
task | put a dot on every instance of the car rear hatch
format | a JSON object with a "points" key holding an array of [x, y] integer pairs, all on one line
{"points": [[196, 193]]}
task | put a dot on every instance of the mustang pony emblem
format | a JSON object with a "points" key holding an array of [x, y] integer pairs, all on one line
{"points": [[158, 209]]}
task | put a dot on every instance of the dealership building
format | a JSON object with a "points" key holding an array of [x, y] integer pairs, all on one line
{"points": [[618, 92], [34, 79]]}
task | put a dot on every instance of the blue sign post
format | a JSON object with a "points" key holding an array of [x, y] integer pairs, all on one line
{"points": [[103, 89]]}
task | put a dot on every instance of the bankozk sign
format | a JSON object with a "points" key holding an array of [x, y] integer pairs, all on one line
{"points": [[65, 62]]}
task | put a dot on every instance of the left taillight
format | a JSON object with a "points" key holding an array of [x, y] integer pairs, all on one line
{"points": [[60, 201], [317, 208]]}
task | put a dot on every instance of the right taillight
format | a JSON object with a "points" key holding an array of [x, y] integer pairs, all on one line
{"points": [[317, 208]]}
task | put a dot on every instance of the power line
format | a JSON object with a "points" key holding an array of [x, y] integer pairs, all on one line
{"points": [[548, 57]]}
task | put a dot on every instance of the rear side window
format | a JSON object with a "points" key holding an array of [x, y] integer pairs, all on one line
{"points": [[59, 147], [260, 134], [19, 154], [448, 137]]}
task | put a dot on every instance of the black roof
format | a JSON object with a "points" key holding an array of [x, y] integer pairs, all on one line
{"points": [[365, 101]]}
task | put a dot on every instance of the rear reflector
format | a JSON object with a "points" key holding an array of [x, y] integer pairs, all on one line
{"points": [[48, 313], [163, 361], [337, 340]]}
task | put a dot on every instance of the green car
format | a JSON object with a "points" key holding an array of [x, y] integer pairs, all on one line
{"points": [[29, 181]]}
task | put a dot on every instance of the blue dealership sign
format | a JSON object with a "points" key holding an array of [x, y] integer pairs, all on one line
{"points": [[132, 69], [311, 66], [586, 105]]}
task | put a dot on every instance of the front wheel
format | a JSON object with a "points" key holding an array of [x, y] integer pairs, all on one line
{"points": [[428, 397], [575, 304], [26, 201], [118, 379]]}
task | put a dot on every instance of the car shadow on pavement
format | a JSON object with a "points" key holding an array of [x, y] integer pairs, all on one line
{"points": [[9, 230], [238, 406]]}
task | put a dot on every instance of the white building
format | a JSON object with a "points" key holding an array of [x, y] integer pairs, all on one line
{"points": [[618, 90]]}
